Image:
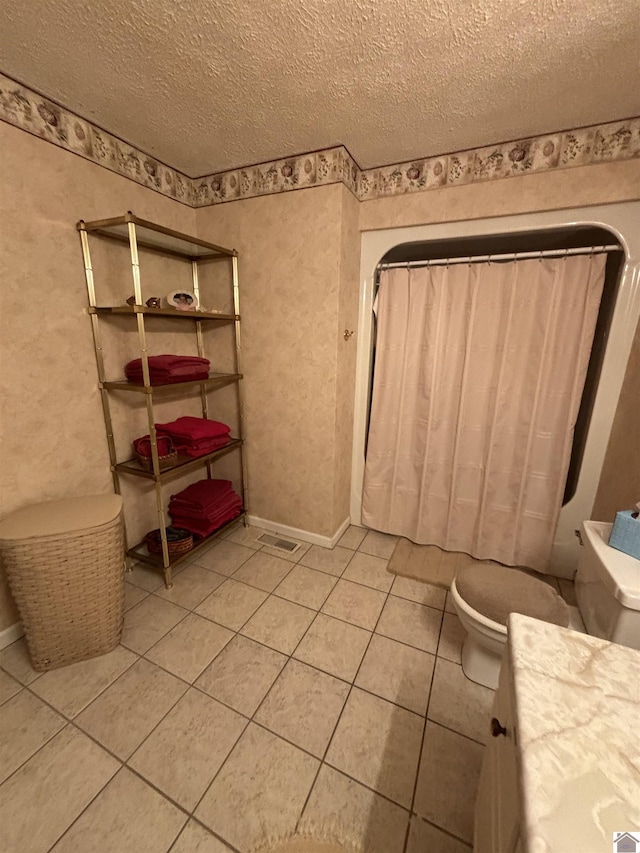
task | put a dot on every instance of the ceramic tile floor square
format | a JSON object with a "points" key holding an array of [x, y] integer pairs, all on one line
{"points": [[354, 603], [194, 838], [264, 571], [133, 595], [303, 706], [183, 754], [148, 621], [224, 558], [334, 646], [410, 623], [332, 561], [66, 773], [232, 604], [424, 837], [306, 586], [129, 710], [378, 744], [246, 536], [127, 815], [279, 624], [458, 703], [71, 688], [189, 647], [352, 537], [356, 813], [451, 638], [422, 593], [449, 772], [144, 578], [242, 747], [191, 586], [260, 791], [26, 724], [8, 687], [378, 544], [16, 662], [241, 674], [370, 571], [397, 672]]}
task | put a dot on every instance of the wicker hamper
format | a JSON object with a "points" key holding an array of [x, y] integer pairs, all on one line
{"points": [[65, 561]]}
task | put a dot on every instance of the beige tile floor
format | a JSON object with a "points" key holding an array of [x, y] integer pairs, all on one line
{"points": [[260, 693]]}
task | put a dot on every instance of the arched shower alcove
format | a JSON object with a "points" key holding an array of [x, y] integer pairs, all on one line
{"points": [[574, 229]]}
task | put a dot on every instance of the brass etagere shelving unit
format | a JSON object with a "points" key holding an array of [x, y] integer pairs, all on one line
{"points": [[134, 232]]}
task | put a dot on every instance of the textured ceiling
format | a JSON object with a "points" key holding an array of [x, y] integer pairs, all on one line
{"points": [[209, 85]]}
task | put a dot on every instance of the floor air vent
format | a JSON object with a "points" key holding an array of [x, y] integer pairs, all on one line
{"points": [[280, 544]]}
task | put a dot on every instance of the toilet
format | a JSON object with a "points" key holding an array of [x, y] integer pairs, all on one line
{"points": [[607, 587]]}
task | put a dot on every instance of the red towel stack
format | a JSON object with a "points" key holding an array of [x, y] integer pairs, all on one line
{"points": [[195, 436], [204, 506], [166, 369]]}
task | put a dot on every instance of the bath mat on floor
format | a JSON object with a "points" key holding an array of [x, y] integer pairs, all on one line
{"points": [[426, 563]]}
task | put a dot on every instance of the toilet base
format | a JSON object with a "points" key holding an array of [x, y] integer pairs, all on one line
{"points": [[480, 664]]}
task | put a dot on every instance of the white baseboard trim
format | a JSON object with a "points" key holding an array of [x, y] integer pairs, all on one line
{"points": [[297, 533], [10, 635]]}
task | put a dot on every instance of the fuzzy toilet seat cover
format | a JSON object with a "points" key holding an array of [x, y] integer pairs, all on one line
{"points": [[496, 591]]}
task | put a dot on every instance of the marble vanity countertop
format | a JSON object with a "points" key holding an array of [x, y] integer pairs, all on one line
{"points": [[577, 715]]}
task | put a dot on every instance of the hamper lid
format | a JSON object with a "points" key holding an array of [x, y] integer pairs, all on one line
{"points": [[64, 516], [496, 591]]}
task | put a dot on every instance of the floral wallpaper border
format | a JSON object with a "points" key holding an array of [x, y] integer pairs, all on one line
{"points": [[29, 111]]}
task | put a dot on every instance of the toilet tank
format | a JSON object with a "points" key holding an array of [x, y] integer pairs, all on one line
{"points": [[608, 588]]}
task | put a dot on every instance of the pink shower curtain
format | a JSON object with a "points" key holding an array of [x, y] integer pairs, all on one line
{"points": [[478, 377]]}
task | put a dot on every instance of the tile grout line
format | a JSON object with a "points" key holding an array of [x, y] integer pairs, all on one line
{"points": [[71, 720], [323, 761], [255, 722], [422, 739], [218, 837], [124, 763]]}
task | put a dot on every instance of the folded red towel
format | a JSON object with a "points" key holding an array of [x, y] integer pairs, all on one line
{"points": [[199, 448], [193, 429], [164, 379], [166, 369], [169, 363], [184, 512], [203, 494], [205, 528]]}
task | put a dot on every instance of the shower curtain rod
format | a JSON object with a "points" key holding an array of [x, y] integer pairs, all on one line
{"points": [[509, 256]]}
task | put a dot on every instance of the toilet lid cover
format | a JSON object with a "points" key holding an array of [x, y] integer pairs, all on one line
{"points": [[496, 591]]}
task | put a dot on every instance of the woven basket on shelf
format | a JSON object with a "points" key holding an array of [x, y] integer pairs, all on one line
{"points": [[179, 541], [166, 460], [69, 588]]}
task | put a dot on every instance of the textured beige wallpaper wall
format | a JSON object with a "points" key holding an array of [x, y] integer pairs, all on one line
{"points": [[346, 355], [299, 268], [290, 275], [52, 439], [619, 486]]}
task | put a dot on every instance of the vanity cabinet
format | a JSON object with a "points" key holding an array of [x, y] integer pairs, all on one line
{"points": [[497, 812], [560, 774], [139, 318]]}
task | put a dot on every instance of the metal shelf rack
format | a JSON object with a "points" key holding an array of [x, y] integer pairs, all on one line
{"points": [[132, 232]]}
